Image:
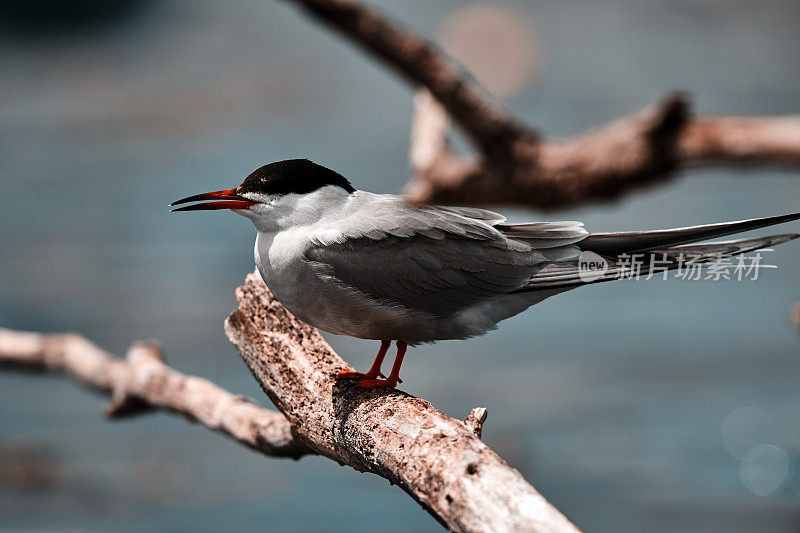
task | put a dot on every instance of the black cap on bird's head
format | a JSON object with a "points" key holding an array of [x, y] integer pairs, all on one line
{"points": [[292, 176]]}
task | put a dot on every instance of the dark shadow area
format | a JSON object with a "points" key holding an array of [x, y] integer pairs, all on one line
{"points": [[44, 19]]}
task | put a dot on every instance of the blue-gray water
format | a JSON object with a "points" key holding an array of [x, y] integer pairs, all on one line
{"points": [[633, 406]]}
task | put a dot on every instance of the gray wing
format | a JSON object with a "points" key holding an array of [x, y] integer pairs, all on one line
{"points": [[438, 260]]}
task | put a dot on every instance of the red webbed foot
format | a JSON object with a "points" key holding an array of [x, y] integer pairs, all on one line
{"points": [[370, 379], [349, 374], [374, 372], [375, 383]]}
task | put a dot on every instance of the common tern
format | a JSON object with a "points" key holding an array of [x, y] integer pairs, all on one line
{"points": [[373, 266]]}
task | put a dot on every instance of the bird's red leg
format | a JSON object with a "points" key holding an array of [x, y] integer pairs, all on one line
{"points": [[375, 370], [394, 375]]}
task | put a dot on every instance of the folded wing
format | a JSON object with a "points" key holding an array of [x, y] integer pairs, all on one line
{"points": [[438, 260]]}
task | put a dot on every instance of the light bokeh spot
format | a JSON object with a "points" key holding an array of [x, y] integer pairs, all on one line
{"points": [[764, 469], [745, 428], [496, 44]]}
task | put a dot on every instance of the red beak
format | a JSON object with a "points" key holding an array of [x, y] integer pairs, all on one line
{"points": [[230, 200]]}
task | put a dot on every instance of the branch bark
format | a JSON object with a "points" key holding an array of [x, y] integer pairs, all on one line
{"points": [[439, 461], [643, 148], [516, 166], [142, 382]]}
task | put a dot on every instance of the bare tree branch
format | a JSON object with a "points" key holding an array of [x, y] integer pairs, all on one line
{"points": [[421, 64], [142, 381], [741, 140], [439, 461], [436, 459], [516, 166], [636, 150]]}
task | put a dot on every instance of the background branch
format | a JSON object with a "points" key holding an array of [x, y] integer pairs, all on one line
{"points": [[515, 166], [142, 382], [642, 148], [420, 63]]}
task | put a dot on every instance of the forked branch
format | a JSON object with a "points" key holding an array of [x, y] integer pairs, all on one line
{"points": [[642, 148], [440, 461], [515, 166]]}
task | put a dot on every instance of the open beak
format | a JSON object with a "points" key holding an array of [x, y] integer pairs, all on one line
{"points": [[227, 199]]}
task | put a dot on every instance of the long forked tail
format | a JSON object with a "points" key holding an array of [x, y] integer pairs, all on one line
{"points": [[639, 241], [659, 250]]}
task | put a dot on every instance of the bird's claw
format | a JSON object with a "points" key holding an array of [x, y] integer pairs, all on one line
{"points": [[374, 383], [349, 374]]}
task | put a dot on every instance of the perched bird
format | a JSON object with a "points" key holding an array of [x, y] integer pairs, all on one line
{"points": [[372, 266]]}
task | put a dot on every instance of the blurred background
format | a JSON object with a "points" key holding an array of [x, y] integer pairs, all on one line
{"points": [[657, 406]]}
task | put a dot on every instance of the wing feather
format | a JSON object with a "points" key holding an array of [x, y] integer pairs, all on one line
{"points": [[439, 260]]}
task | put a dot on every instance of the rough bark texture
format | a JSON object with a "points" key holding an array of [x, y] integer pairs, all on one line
{"points": [[518, 167], [440, 461], [142, 382]]}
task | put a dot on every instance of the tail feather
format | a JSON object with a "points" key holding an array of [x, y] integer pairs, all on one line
{"points": [[640, 241], [566, 275]]}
